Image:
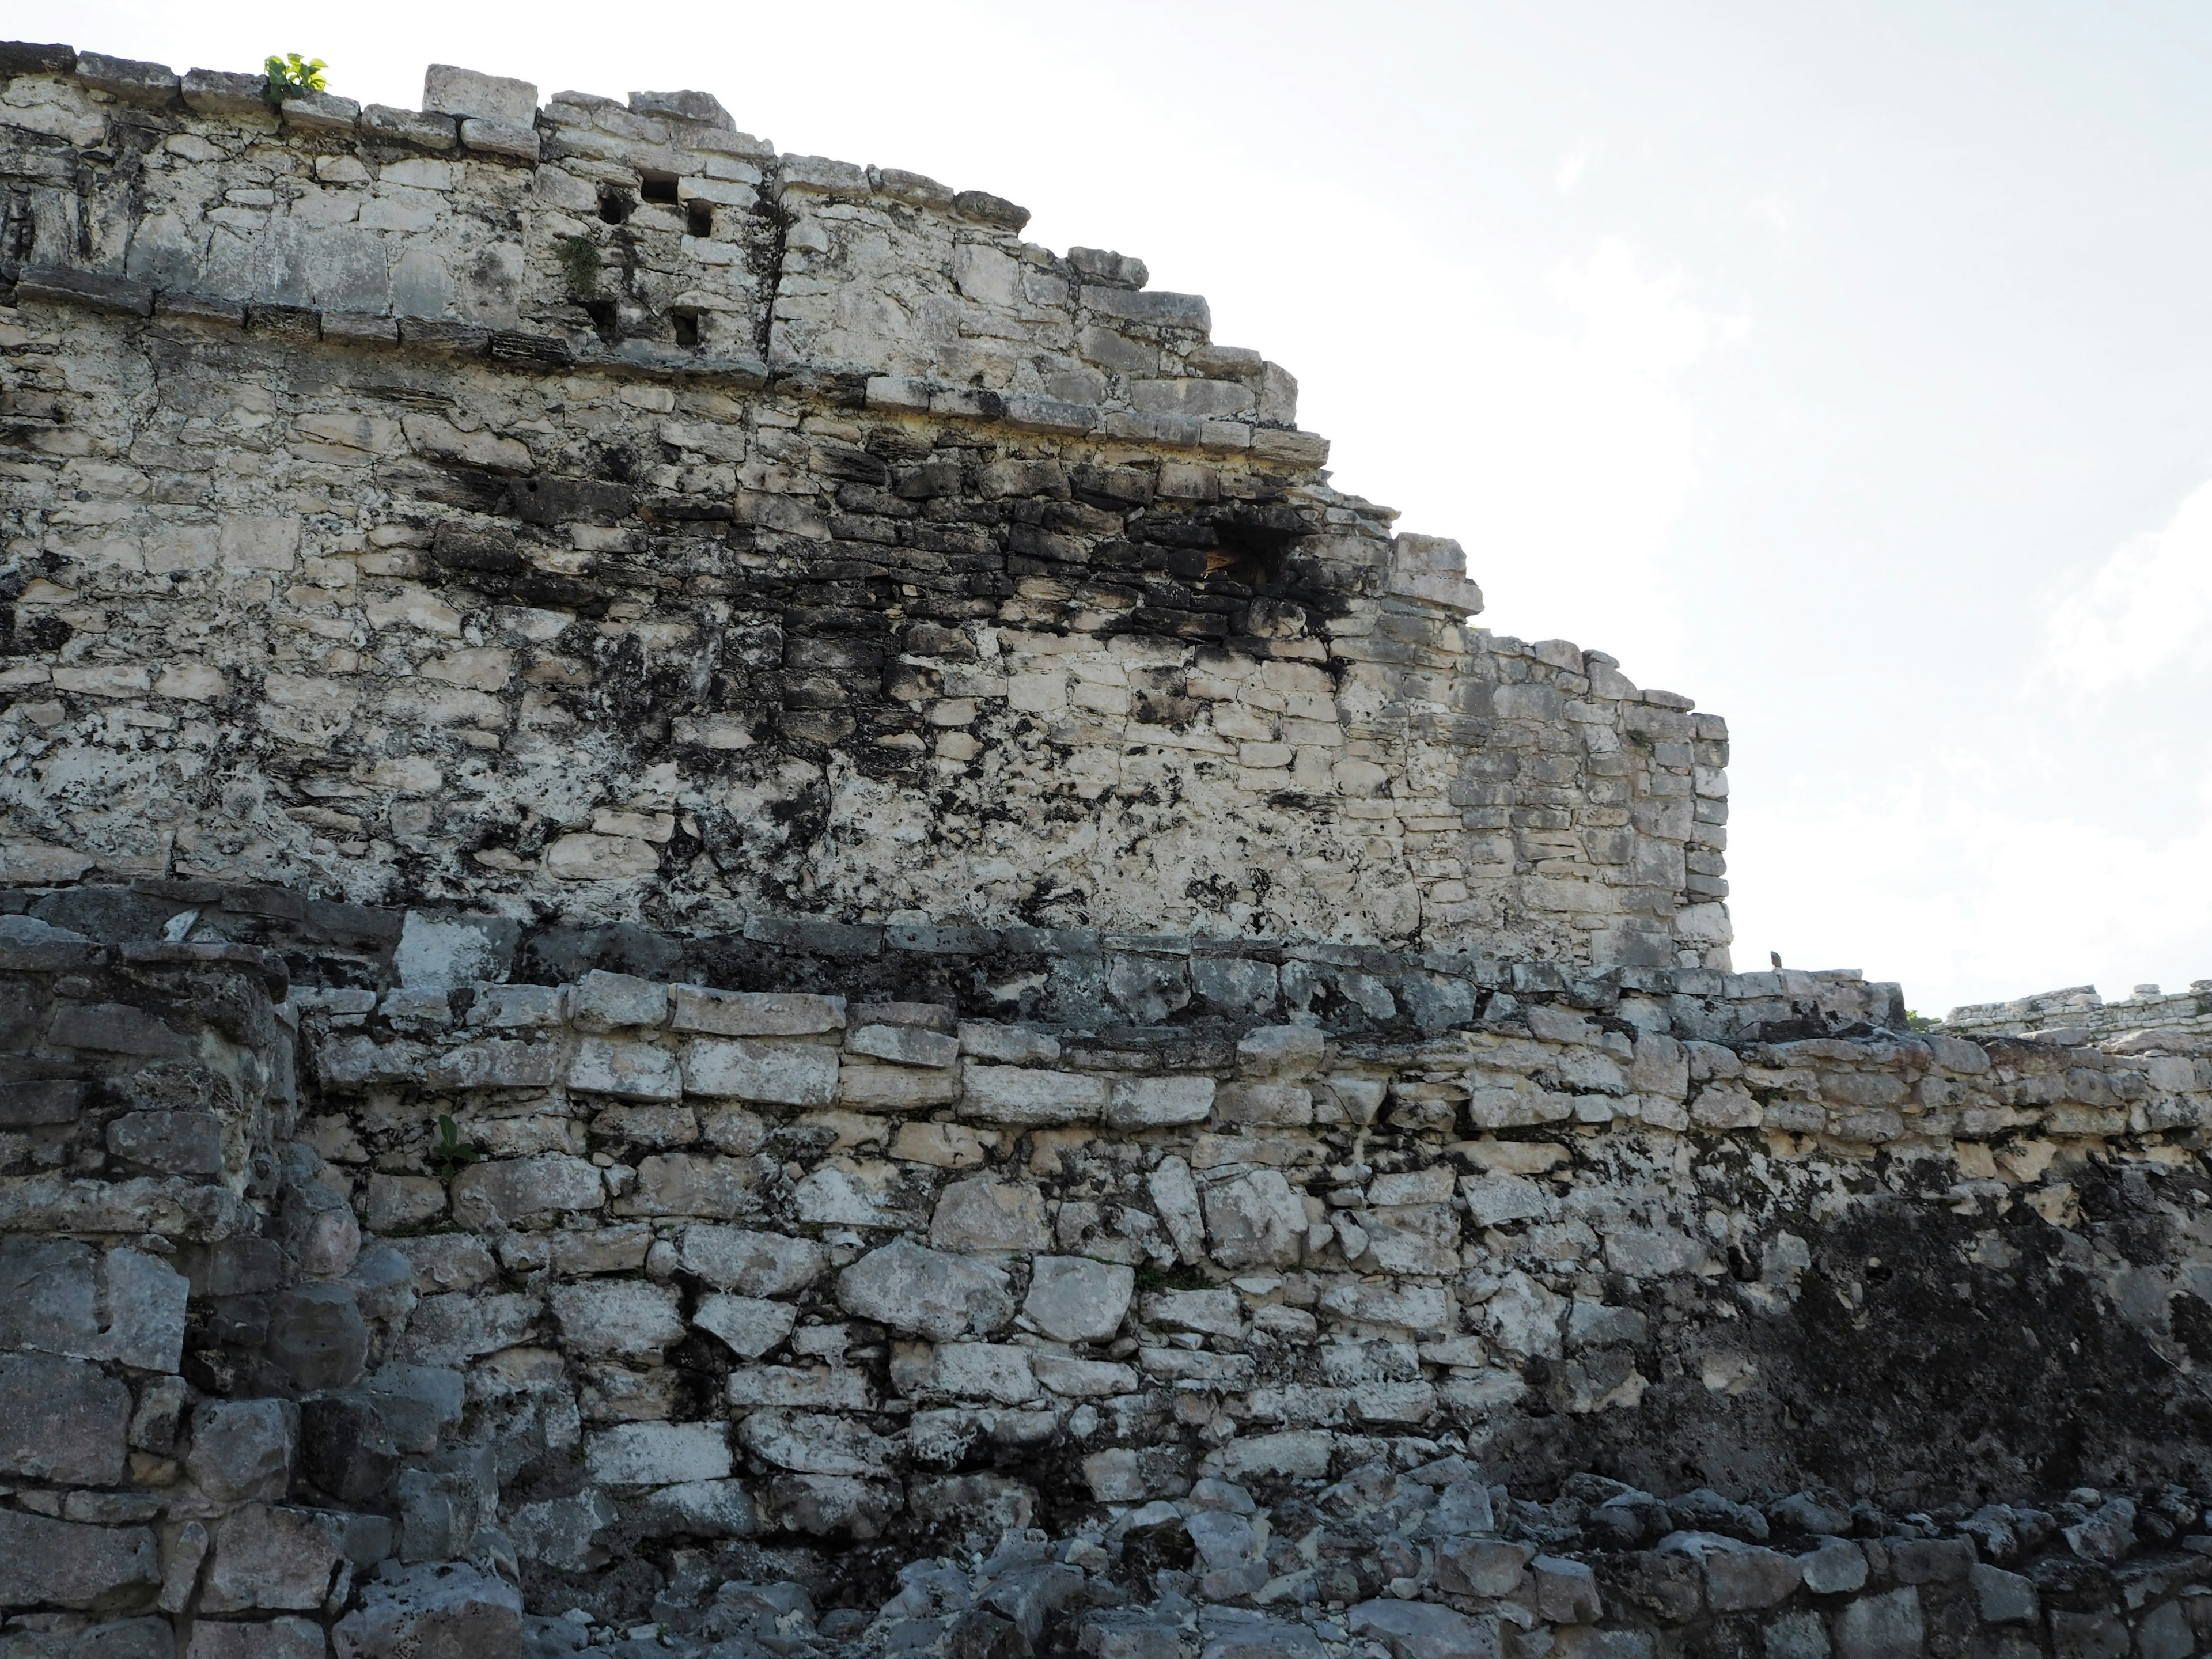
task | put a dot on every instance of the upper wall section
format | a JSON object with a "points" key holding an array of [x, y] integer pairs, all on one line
{"points": [[588, 512]]}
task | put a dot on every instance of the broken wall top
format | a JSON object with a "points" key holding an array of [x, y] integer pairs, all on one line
{"points": [[587, 511]]}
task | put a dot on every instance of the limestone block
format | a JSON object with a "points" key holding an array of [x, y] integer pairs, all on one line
{"points": [[691, 1184], [627, 1070], [515, 1189], [986, 1216], [818, 1387], [1082, 1379], [601, 1002], [287, 1637], [743, 1014], [441, 1610], [926, 1291], [174, 1143], [2002, 1597], [1280, 1104], [752, 1264], [808, 1442], [1031, 1097], [1129, 1475], [1482, 1566], [1174, 1196], [1158, 1102], [898, 1087], [750, 1325], [1422, 1630], [1217, 1312], [1075, 1299], [60, 1564], [447, 90], [242, 1449], [1255, 1220], [563, 1533], [778, 1073], [907, 1045], [61, 1420], [617, 1316], [1837, 1567], [658, 1454], [1881, 1626], [1737, 1581], [268, 1556], [317, 1336]]}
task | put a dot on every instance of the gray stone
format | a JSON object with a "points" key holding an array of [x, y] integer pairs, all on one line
{"points": [[62, 1420], [1255, 1220], [1217, 1312], [1028, 1097], [750, 1325], [989, 1216], [286, 1638], [2087, 1636], [514, 1189], [702, 1509], [1482, 1566], [1075, 1299], [317, 1337], [1154, 1103], [1422, 1629], [907, 1045], [778, 1073], [601, 1002], [2164, 1633], [1282, 1051], [1836, 1568], [810, 1444], [754, 1264], [744, 1013], [242, 1449], [1796, 1636], [1567, 1591], [563, 1533], [1738, 1581], [60, 1564], [628, 1070], [2106, 1535], [1463, 1507], [1929, 1560], [270, 1557], [447, 90], [926, 1291], [2002, 1597], [658, 1454], [822, 1504], [54, 1291], [174, 1143], [617, 1316], [441, 1611], [1883, 1627]]}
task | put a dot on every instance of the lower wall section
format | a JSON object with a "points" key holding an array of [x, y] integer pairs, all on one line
{"points": [[639, 1314]]}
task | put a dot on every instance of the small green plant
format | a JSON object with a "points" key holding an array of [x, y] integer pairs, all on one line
{"points": [[1177, 1278], [1916, 1021], [580, 264], [449, 1153], [292, 73]]}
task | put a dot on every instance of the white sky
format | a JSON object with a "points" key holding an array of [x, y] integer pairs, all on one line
{"points": [[1843, 367]]}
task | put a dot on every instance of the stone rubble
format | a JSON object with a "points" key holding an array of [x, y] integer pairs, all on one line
{"points": [[738, 920]]}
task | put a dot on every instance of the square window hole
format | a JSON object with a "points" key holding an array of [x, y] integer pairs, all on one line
{"points": [[659, 187], [699, 217], [615, 204], [687, 327]]}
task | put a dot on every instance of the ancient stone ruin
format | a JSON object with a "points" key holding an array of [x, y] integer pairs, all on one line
{"points": [[740, 919]]}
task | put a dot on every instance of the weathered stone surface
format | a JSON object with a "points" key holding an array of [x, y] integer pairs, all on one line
{"points": [[926, 1291], [752, 1263], [60, 1564], [61, 1420], [1255, 1221], [986, 1216], [1881, 1626], [1420, 1629], [749, 1326], [267, 1557], [778, 1073], [434, 1611], [1072, 1299], [658, 1453], [242, 1449]]}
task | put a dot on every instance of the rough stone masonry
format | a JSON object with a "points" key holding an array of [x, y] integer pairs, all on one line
{"points": [[739, 920]]}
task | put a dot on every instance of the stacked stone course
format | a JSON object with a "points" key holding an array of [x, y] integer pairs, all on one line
{"points": [[739, 917]]}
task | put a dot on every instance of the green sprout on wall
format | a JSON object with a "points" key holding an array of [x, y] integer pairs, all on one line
{"points": [[292, 73], [580, 264], [449, 1153]]}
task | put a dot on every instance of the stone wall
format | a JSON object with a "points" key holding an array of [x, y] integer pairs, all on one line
{"points": [[369, 532], [737, 917], [670, 1303]]}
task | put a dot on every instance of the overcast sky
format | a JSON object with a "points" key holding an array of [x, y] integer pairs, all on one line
{"points": [[1845, 367]]}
